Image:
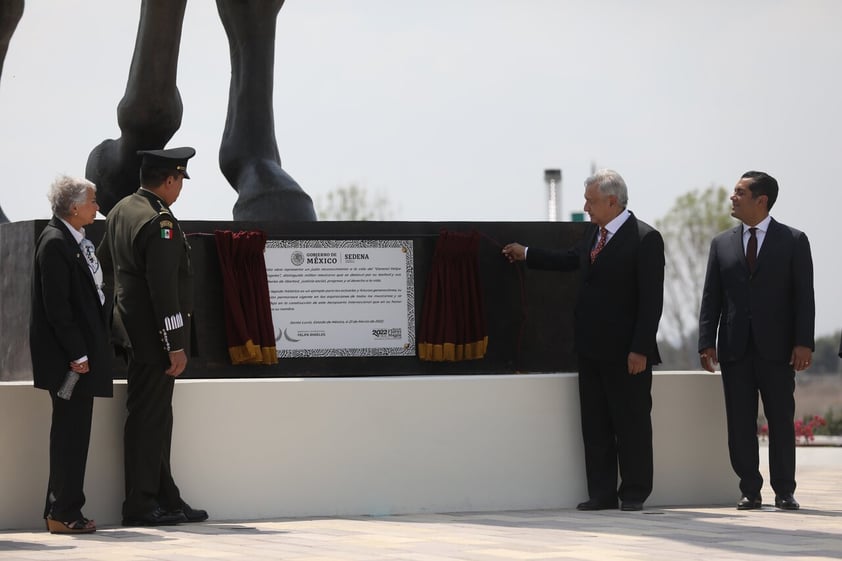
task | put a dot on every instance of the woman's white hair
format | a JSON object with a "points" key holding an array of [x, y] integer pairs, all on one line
{"points": [[67, 191]]}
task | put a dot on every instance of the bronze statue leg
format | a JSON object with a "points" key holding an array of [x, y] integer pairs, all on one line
{"points": [[10, 14], [150, 112], [248, 155]]}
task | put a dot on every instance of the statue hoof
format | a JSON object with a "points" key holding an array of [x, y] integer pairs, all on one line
{"points": [[266, 193], [114, 173]]}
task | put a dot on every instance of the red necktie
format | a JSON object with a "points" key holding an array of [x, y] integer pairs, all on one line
{"points": [[751, 249], [603, 237]]}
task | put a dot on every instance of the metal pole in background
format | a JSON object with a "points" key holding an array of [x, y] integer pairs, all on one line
{"points": [[552, 178]]}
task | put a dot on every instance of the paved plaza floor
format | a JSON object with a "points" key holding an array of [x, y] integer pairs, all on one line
{"points": [[703, 533]]}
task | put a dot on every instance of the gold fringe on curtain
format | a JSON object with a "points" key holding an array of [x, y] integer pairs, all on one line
{"points": [[453, 320], [248, 314]]}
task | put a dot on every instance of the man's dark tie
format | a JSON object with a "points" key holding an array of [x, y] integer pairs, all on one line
{"points": [[751, 249], [603, 237]]}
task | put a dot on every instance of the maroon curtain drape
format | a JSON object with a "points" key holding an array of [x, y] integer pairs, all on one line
{"points": [[248, 312], [453, 319]]}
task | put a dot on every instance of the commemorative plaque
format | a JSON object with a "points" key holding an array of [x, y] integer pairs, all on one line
{"points": [[342, 297]]}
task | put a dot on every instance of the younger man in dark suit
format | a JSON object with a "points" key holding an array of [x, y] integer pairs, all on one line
{"points": [[621, 263], [759, 295]]}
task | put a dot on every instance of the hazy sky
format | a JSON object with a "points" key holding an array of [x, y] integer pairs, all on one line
{"points": [[453, 108]]}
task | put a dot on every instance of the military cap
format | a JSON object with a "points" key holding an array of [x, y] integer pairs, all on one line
{"points": [[169, 159]]}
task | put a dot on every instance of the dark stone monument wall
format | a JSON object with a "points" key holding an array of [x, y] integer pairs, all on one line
{"points": [[17, 249], [529, 313]]}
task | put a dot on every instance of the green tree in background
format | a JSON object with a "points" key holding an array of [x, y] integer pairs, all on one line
{"points": [[692, 222], [353, 203]]}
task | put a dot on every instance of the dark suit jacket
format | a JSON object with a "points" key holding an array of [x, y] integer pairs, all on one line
{"points": [[775, 305], [621, 295], [146, 259], [67, 320]]}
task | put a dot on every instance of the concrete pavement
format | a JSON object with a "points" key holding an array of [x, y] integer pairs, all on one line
{"points": [[702, 533]]}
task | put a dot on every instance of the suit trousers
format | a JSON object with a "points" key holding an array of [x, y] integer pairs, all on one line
{"points": [[775, 381], [70, 436], [147, 440], [616, 412]]}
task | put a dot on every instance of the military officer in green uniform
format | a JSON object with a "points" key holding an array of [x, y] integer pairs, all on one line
{"points": [[146, 259]]}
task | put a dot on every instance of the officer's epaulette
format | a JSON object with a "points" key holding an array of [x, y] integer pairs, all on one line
{"points": [[163, 209]]}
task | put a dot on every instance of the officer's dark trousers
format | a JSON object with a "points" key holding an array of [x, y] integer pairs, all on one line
{"points": [[616, 428], [147, 439], [775, 381], [70, 435]]}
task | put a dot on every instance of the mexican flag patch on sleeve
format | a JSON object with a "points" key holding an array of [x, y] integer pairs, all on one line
{"points": [[166, 233]]}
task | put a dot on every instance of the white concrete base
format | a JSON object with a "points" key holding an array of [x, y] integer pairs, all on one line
{"points": [[268, 448]]}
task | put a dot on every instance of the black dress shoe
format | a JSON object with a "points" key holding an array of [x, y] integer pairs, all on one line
{"points": [[631, 505], [190, 514], [593, 504], [750, 503], [157, 517], [786, 502]]}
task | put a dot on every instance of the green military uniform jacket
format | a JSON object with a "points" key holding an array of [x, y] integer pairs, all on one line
{"points": [[146, 261]]}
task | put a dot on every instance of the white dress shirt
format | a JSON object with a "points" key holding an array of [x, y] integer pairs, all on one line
{"points": [[762, 227]]}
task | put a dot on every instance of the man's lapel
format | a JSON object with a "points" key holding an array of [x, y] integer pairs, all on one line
{"points": [[735, 246], [770, 241], [621, 237]]}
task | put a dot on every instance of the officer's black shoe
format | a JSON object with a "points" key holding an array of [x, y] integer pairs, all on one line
{"points": [[156, 517], [191, 514]]}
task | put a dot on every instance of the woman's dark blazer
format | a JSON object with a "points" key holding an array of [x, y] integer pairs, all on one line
{"points": [[67, 320]]}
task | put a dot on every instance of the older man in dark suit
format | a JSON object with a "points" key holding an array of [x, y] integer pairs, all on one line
{"points": [[621, 262], [759, 295]]}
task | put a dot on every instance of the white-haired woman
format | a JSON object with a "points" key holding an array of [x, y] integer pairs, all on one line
{"points": [[68, 332]]}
